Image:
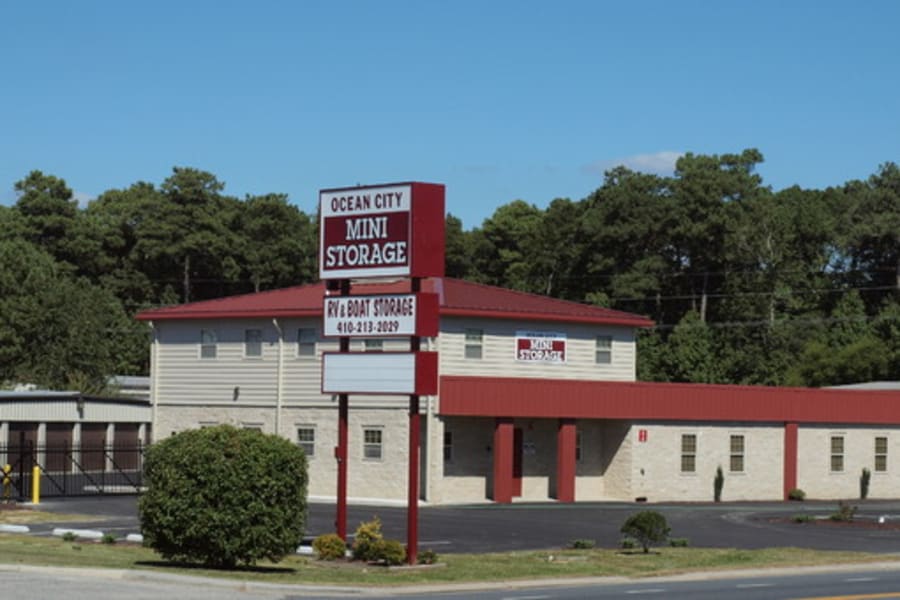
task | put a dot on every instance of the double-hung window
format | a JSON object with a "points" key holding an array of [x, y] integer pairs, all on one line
{"points": [[736, 454], [306, 343], [474, 341], [603, 350], [208, 342], [881, 454], [253, 343], [306, 439], [688, 453], [372, 444], [837, 453]]}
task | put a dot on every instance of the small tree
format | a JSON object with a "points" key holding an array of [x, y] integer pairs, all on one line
{"points": [[224, 496], [647, 527], [718, 484]]}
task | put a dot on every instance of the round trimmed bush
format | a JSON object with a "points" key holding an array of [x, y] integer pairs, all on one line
{"points": [[223, 496], [329, 546], [646, 527]]}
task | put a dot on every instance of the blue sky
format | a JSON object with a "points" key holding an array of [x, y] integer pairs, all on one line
{"points": [[498, 100]]}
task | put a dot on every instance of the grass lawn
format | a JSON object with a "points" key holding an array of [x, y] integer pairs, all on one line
{"points": [[21, 549]]}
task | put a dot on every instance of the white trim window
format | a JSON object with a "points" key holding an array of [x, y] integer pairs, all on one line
{"points": [[253, 343], [736, 449], [603, 350], [688, 452], [208, 343], [474, 343], [306, 439], [837, 454], [373, 443], [881, 454], [306, 343]]}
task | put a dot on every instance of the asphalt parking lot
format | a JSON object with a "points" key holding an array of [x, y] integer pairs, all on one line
{"points": [[494, 528]]}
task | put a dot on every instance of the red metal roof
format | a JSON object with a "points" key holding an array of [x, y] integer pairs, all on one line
{"points": [[457, 298], [548, 398]]}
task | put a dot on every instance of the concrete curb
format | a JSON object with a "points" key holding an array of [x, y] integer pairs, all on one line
{"points": [[341, 591], [14, 528]]}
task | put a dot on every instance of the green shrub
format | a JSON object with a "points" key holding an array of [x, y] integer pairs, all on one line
{"points": [[802, 518], [718, 484], [864, 479], [679, 542], [646, 527], [628, 543], [428, 557], [108, 538], [329, 547], [797, 494], [844, 513], [69, 537], [366, 539], [582, 544], [223, 496], [391, 552]]}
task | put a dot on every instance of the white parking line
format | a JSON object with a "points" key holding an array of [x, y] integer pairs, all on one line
{"points": [[858, 579], [753, 585], [647, 591]]}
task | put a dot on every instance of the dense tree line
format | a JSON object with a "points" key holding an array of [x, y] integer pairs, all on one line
{"points": [[746, 284], [72, 278]]}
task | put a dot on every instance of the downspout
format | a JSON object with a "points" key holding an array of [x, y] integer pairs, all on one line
{"points": [[154, 385], [279, 377]]}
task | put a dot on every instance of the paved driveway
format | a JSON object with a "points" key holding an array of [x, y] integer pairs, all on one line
{"points": [[486, 528]]}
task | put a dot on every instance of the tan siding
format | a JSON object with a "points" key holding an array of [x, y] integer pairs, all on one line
{"points": [[498, 353]]}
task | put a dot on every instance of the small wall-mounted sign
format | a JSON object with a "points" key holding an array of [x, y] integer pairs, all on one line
{"points": [[540, 347]]}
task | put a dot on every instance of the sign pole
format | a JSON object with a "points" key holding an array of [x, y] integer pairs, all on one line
{"points": [[341, 450], [412, 499]]}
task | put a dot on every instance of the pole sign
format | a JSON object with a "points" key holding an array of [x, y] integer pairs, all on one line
{"points": [[540, 347], [381, 316], [394, 230]]}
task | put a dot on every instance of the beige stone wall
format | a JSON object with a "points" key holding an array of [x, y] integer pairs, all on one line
{"points": [[468, 475], [384, 479], [814, 474], [656, 471]]}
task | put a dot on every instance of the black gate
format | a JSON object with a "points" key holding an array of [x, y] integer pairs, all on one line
{"points": [[67, 471]]}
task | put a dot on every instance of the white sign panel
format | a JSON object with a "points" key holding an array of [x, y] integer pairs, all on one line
{"points": [[365, 232], [541, 347], [369, 373], [370, 315]]}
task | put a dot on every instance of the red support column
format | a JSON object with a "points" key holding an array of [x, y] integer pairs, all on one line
{"points": [[790, 458], [565, 461], [340, 520], [503, 460]]}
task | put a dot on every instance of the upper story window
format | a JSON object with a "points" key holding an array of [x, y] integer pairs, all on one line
{"points": [[474, 341], [603, 350], [207, 343], [253, 343], [306, 342], [374, 345]]}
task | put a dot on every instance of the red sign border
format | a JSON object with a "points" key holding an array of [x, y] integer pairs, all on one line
{"points": [[427, 316], [426, 231]]}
